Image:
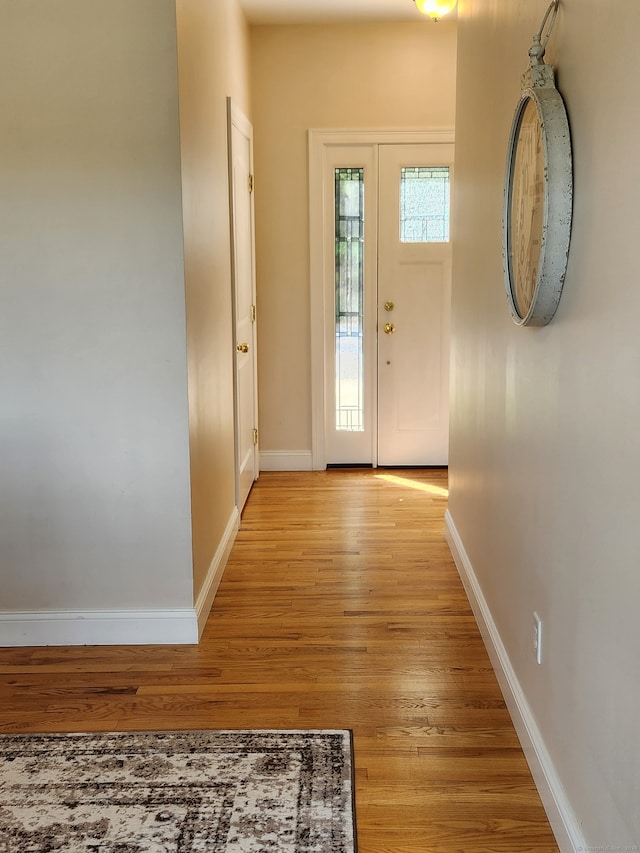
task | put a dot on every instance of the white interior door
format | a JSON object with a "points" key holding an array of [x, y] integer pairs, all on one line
{"points": [[244, 300], [414, 296]]}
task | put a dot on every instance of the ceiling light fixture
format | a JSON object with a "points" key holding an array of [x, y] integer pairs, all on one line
{"points": [[435, 9]]}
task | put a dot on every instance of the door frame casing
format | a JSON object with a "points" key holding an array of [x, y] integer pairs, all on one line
{"points": [[319, 141]]}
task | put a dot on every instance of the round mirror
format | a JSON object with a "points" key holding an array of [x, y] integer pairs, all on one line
{"points": [[537, 205], [526, 208]]}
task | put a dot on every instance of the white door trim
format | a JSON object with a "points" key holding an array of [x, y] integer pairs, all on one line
{"points": [[319, 141]]}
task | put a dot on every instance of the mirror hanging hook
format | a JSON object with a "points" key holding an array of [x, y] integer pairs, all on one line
{"points": [[537, 49]]}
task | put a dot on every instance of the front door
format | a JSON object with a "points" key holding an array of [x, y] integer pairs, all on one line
{"points": [[243, 269], [414, 296], [387, 303]]}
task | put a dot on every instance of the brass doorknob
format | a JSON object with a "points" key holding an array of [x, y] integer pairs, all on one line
{"points": [[242, 347], [389, 328]]}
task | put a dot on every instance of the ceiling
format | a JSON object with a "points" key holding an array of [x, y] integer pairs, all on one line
{"points": [[330, 11]]}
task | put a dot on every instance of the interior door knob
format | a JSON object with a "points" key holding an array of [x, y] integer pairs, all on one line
{"points": [[242, 347], [389, 328]]}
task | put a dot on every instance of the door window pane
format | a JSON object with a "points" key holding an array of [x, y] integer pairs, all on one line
{"points": [[424, 204], [349, 289]]}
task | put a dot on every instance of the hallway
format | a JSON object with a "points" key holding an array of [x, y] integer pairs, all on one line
{"points": [[340, 608]]}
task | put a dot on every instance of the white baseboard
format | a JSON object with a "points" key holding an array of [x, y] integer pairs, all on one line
{"points": [[216, 570], [170, 626], [561, 817], [286, 460], [175, 626]]}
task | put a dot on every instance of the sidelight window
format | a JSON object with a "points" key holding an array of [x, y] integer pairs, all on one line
{"points": [[349, 293]]}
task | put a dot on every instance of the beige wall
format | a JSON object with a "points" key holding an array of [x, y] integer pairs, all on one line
{"points": [[351, 76], [94, 465], [117, 471], [544, 432], [213, 64]]}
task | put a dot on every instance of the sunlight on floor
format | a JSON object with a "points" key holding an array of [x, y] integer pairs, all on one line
{"points": [[414, 484]]}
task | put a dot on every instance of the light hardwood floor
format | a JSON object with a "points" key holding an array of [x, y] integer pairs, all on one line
{"points": [[340, 608]]}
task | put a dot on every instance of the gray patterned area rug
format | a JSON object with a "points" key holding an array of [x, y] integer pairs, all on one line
{"points": [[177, 792]]}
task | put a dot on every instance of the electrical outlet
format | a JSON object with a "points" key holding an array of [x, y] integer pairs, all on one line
{"points": [[537, 637]]}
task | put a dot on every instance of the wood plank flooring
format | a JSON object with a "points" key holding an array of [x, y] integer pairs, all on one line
{"points": [[340, 608]]}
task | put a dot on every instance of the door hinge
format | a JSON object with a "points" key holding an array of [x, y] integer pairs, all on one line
{"points": [[253, 313], [250, 183], [255, 436]]}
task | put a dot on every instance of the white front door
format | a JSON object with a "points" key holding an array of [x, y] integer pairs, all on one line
{"points": [[387, 283], [244, 300], [414, 296]]}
